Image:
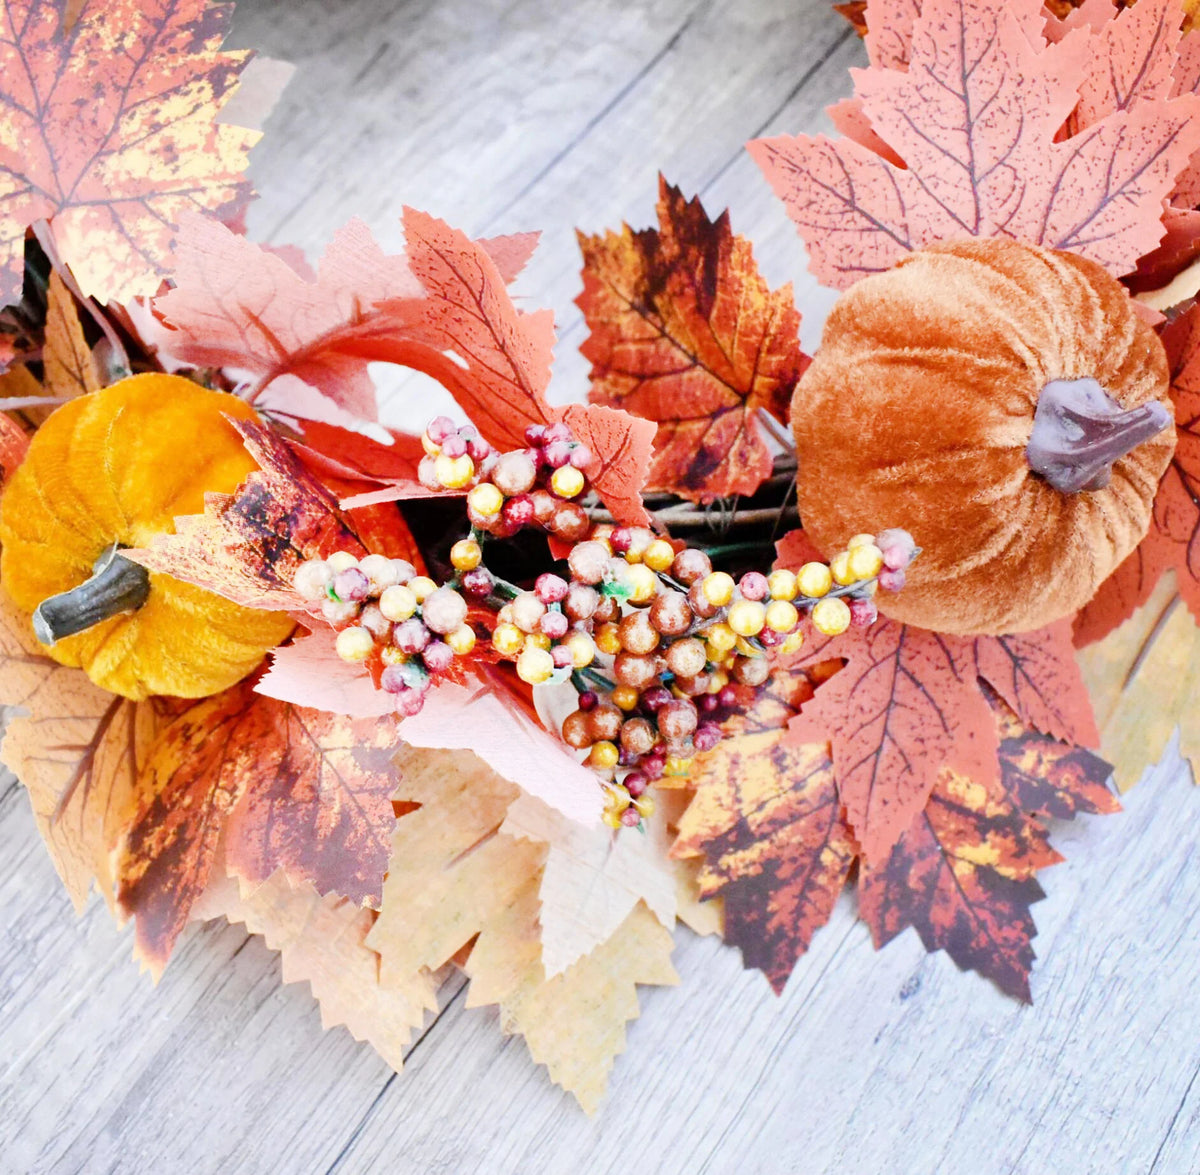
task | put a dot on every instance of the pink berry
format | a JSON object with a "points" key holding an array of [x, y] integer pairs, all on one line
{"points": [[438, 657], [535, 434], [581, 456], [557, 432], [707, 736], [455, 446], [410, 702], [562, 657], [635, 783], [518, 511], [769, 638], [654, 764], [478, 582], [728, 697], [863, 613], [410, 636], [554, 625], [588, 700], [439, 428], [753, 585], [479, 449], [892, 581], [631, 817], [621, 540], [896, 558], [656, 698], [557, 454], [550, 588], [393, 679], [708, 703], [427, 473], [351, 585]]}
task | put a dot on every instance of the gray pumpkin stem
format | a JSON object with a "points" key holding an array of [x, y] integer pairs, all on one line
{"points": [[116, 585], [1079, 430]]}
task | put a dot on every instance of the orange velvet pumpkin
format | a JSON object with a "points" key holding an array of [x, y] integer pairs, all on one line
{"points": [[112, 469], [919, 410]]}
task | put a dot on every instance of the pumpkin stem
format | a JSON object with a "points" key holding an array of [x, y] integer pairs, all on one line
{"points": [[1079, 430], [116, 585]]}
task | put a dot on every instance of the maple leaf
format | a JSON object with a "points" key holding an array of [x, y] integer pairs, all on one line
{"points": [[592, 880], [685, 332], [320, 941], [482, 718], [78, 750], [69, 367], [308, 672], [455, 879], [768, 822], [964, 874], [111, 134], [247, 545], [976, 117], [281, 786], [621, 446]]}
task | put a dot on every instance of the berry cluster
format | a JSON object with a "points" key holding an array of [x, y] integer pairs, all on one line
{"points": [[404, 626], [654, 640]]}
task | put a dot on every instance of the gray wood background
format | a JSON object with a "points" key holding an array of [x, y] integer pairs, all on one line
{"points": [[509, 116]]}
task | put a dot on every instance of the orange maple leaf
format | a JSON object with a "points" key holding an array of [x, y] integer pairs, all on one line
{"points": [[685, 332], [976, 116], [768, 821], [964, 874], [110, 134], [281, 786], [1174, 537]]}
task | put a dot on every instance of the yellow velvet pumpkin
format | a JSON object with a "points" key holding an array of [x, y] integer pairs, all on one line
{"points": [[1006, 406], [116, 467]]}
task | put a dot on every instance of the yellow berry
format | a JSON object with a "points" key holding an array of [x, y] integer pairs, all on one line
{"points": [[639, 539], [508, 640], [659, 555], [644, 805], [643, 583], [454, 472], [341, 561], [485, 499], [604, 755], [814, 580], [354, 644], [465, 555], [567, 481], [860, 540], [422, 586], [746, 617], [831, 617], [721, 637], [793, 642], [718, 589], [612, 818], [839, 568], [866, 561], [717, 681], [608, 638], [781, 584], [537, 640], [624, 697], [390, 655], [430, 445], [462, 640], [617, 797], [398, 602], [677, 765], [582, 648], [782, 616], [534, 665]]}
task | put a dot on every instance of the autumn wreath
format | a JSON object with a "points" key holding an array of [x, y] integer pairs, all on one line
{"points": [[516, 693]]}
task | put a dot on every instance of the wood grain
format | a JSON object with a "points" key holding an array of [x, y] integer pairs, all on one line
{"points": [[501, 117]]}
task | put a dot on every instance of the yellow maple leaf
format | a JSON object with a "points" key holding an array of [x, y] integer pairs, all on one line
{"points": [[69, 366], [455, 878]]}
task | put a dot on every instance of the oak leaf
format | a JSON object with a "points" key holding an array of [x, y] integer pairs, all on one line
{"points": [[767, 821], [456, 880], [976, 117], [685, 332], [320, 941], [69, 367], [280, 786], [964, 873], [592, 879], [111, 134]]}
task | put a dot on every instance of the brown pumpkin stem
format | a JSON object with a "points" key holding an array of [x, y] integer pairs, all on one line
{"points": [[116, 585], [1079, 430]]}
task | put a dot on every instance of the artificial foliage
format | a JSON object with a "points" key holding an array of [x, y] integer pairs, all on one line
{"points": [[728, 633]]}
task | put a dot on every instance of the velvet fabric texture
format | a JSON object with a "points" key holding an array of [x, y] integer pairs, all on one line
{"points": [[917, 410]]}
